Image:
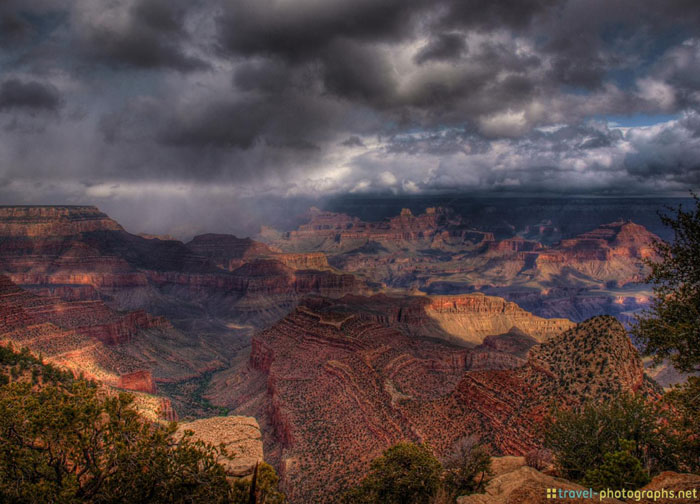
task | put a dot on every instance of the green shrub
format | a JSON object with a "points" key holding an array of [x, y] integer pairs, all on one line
{"points": [[405, 474], [581, 438], [620, 469]]}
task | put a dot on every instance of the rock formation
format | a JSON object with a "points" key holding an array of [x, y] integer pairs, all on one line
{"points": [[597, 272], [338, 381], [79, 254], [526, 485], [239, 435], [333, 233]]}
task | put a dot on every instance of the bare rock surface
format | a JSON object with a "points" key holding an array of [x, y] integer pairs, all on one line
{"points": [[524, 485], [240, 436]]}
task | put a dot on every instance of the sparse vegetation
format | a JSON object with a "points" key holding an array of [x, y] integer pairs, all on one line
{"points": [[540, 458], [467, 467]]}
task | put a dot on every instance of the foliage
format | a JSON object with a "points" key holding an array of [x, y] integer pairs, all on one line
{"points": [[685, 400], [620, 469], [406, 473], [266, 492], [580, 438], [670, 329], [467, 466], [65, 440]]}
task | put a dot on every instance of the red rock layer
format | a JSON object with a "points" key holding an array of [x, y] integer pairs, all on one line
{"points": [[339, 231], [32, 221], [78, 253], [340, 386], [140, 381], [77, 335]]}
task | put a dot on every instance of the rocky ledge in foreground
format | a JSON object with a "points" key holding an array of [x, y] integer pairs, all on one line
{"points": [[240, 436]]}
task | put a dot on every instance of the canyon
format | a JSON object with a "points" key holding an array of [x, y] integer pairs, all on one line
{"points": [[597, 272], [80, 253], [333, 385], [339, 338]]}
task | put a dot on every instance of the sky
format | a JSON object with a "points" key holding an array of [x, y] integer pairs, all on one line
{"points": [[164, 110]]}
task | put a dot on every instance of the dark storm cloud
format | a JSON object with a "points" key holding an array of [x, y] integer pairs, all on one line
{"points": [[487, 14], [445, 46], [29, 95], [13, 29], [355, 71], [296, 97], [152, 36], [298, 30], [222, 125]]}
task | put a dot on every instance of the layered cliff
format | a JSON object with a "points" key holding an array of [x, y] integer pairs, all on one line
{"points": [[227, 251], [438, 253], [73, 335], [130, 350], [78, 253], [466, 319], [333, 233], [42, 221], [336, 382]]}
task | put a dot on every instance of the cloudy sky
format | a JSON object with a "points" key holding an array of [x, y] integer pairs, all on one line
{"points": [[151, 105]]}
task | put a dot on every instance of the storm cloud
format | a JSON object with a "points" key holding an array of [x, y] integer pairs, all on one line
{"points": [[259, 98]]}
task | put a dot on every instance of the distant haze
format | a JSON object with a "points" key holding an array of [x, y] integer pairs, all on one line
{"points": [[505, 216]]}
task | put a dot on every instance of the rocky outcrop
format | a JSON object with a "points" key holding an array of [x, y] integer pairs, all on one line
{"points": [[239, 435], [466, 319], [666, 482], [338, 381], [227, 251], [526, 485], [595, 358], [332, 232], [474, 317], [139, 381]]}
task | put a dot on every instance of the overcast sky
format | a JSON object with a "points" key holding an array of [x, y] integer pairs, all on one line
{"points": [[149, 105]]}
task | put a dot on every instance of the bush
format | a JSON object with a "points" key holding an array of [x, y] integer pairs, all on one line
{"points": [[670, 328], [405, 474], [467, 467], [266, 492], [685, 400], [580, 439], [620, 469], [66, 441]]}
